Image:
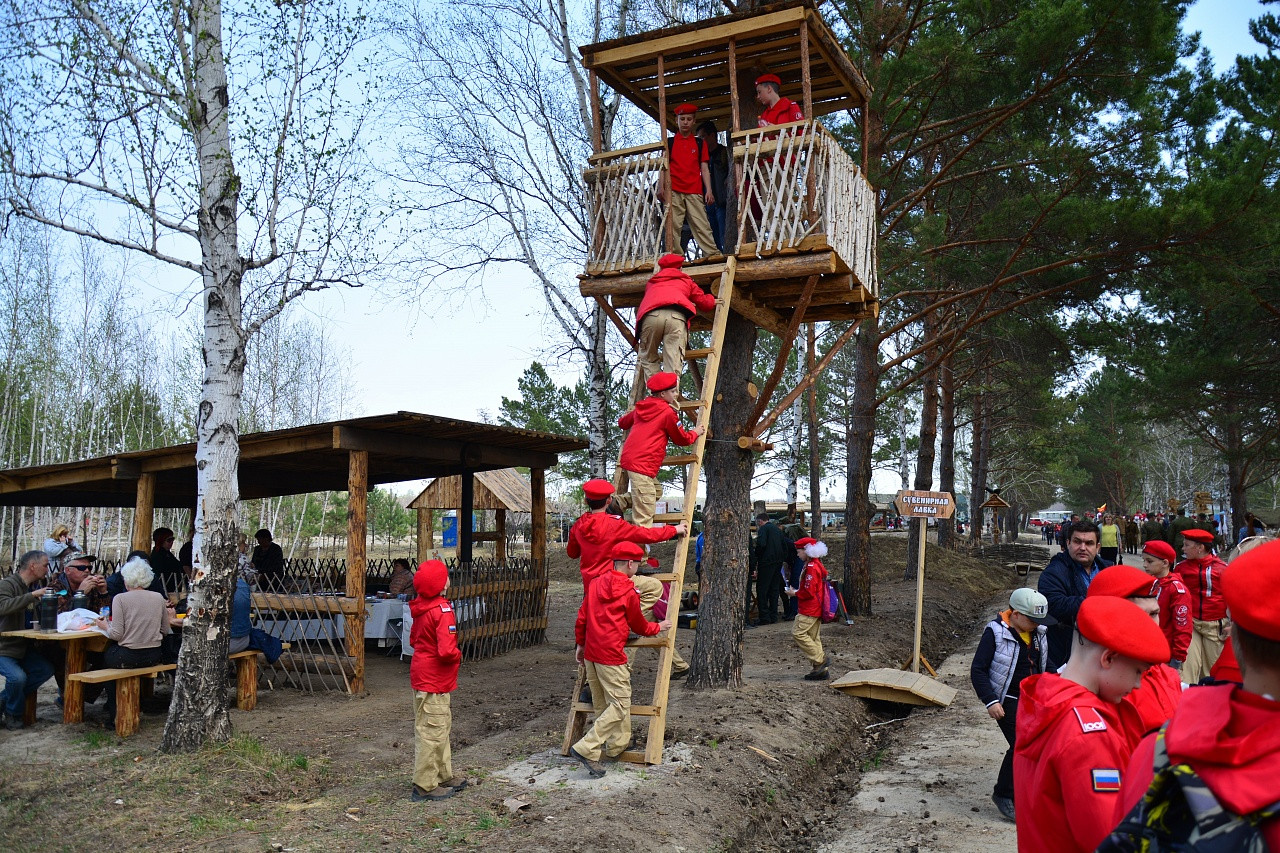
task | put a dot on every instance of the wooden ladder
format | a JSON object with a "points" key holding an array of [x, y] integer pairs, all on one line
{"points": [[657, 712]]}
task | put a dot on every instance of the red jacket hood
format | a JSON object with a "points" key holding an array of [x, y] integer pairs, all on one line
{"points": [[1232, 739], [1044, 699], [651, 409], [611, 586], [430, 578]]}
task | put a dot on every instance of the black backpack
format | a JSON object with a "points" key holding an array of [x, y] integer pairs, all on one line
{"points": [[1180, 813]]}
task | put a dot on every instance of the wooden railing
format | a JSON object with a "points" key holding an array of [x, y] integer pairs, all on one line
{"points": [[798, 189], [626, 215]]}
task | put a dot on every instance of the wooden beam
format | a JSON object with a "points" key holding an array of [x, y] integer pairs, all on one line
{"points": [[597, 129], [791, 397], [750, 268], [754, 26], [500, 546], [765, 318], [426, 533], [144, 513], [357, 529], [466, 518], [627, 334], [806, 80], [733, 89], [780, 365], [668, 222], [454, 452], [538, 522]]}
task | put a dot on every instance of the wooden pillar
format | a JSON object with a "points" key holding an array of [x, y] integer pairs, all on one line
{"points": [[733, 91], [426, 534], [357, 529], [597, 126], [538, 521], [806, 81], [144, 513], [466, 518], [668, 223], [500, 544]]}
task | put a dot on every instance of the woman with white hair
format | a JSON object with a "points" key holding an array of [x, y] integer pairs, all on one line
{"points": [[809, 593], [140, 620]]}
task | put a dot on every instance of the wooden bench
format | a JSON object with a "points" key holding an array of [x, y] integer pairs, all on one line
{"points": [[247, 677], [128, 691]]}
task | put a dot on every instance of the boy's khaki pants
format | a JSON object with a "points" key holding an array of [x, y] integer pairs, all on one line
{"points": [[807, 631], [650, 590], [432, 719], [1206, 646], [645, 492], [611, 695], [665, 329]]}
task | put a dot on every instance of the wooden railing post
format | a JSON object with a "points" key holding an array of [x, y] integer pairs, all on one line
{"points": [[357, 528], [144, 513]]}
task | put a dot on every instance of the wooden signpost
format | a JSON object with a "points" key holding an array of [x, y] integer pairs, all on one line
{"points": [[922, 506]]}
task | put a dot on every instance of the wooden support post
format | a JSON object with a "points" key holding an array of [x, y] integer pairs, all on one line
{"points": [[500, 544], [466, 518], [128, 706], [357, 529], [735, 203], [915, 648], [538, 522], [72, 689], [247, 682], [668, 224], [426, 533], [597, 127], [806, 80], [733, 92], [144, 513]]}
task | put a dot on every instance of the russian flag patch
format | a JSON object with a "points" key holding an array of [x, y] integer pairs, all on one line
{"points": [[1106, 780]]}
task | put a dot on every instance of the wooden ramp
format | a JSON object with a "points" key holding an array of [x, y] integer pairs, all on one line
{"points": [[666, 644], [895, 685]]}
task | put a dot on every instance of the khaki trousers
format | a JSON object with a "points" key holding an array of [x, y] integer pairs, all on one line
{"points": [[645, 492], [662, 328], [650, 590], [611, 696], [807, 631], [1206, 646], [432, 719], [693, 207]]}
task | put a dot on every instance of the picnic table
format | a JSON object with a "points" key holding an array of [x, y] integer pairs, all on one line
{"points": [[78, 644], [323, 617]]}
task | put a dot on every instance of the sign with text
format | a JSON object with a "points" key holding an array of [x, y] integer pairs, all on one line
{"points": [[912, 504]]}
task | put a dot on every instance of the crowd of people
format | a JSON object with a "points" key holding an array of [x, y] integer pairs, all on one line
{"points": [[1140, 706]]}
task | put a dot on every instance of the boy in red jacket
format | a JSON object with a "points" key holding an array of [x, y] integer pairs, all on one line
{"points": [[670, 300], [434, 675], [610, 610], [649, 426], [1071, 743], [1174, 599], [807, 629], [595, 534], [1226, 734], [1201, 571]]}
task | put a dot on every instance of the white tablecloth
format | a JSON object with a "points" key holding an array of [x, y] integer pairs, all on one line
{"points": [[378, 614], [464, 611]]}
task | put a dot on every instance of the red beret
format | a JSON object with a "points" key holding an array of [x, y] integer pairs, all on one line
{"points": [[1195, 534], [769, 78], [686, 110], [652, 562], [1161, 549], [627, 551], [671, 259], [597, 489], [808, 540], [1122, 627], [1122, 582], [662, 381], [1248, 584]]}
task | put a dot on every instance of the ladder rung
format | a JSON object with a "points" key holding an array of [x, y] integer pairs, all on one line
{"points": [[664, 577], [682, 459], [686, 405], [655, 642], [693, 354], [586, 707], [668, 517], [645, 711], [632, 757]]}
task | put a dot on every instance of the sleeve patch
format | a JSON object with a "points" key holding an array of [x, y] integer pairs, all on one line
{"points": [[1090, 720], [445, 608], [1106, 780], [453, 629]]}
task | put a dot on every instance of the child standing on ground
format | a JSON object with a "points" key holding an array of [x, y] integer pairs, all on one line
{"points": [[809, 592], [434, 675], [1013, 647]]}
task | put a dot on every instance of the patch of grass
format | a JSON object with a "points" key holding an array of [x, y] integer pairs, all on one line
{"points": [[770, 795], [491, 821], [874, 762], [94, 740], [714, 744], [217, 824]]}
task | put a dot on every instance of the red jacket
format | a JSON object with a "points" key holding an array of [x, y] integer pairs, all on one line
{"points": [[1152, 704], [1175, 613], [784, 111], [672, 288], [609, 611], [1231, 738], [651, 423], [813, 585], [434, 637], [1227, 668], [592, 537], [1203, 578], [1069, 752]]}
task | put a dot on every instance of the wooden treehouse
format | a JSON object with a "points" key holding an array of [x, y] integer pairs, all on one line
{"points": [[800, 230]]}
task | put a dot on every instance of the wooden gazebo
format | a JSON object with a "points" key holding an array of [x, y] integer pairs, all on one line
{"points": [[503, 490], [347, 455]]}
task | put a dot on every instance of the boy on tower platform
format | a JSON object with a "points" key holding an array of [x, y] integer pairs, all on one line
{"points": [[649, 426], [691, 189], [1071, 742]]}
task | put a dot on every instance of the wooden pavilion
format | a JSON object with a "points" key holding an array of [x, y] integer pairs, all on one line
{"points": [[503, 490], [347, 455]]}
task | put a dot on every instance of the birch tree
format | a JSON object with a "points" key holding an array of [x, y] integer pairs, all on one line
{"points": [[225, 148]]}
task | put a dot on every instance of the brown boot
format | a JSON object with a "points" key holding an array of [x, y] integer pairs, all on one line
{"points": [[595, 768], [438, 793], [457, 783]]}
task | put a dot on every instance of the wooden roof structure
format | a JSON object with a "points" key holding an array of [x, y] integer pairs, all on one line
{"points": [[694, 62], [504, 488], [313, 458]]}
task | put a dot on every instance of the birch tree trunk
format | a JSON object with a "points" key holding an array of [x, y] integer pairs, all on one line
{"points": [[598, 383]]}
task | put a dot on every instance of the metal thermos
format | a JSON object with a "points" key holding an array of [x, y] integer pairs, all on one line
{"points": [[49, 611], [79, 601]]}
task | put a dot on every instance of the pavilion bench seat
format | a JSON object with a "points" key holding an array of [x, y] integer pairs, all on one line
{"points": [[128, 691], [247, 677]]}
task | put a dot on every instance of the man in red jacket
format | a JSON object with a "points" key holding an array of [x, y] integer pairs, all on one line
{"points": [[670, 300], [1227, 735], [1201, 572], [609, 611], [595, 534], [434, 675], [649, 425], [1071, 743], [1158, 560]]}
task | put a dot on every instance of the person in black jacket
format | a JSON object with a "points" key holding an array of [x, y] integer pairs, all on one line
{"points": [[721, 182], [1065, 580], [771, 552]]}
